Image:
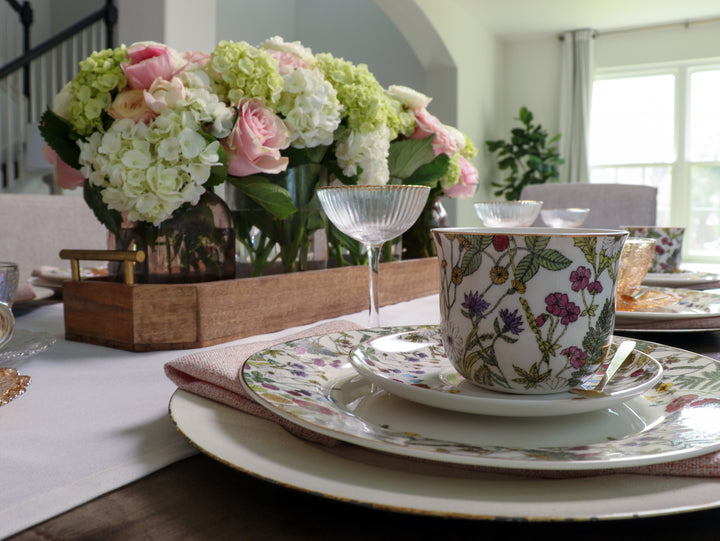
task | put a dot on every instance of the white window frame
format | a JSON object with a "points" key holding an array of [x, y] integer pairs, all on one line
{"points": [[680, 167]]}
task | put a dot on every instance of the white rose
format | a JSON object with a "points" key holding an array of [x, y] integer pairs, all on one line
{"points": [[61, 102], [412, 99]]}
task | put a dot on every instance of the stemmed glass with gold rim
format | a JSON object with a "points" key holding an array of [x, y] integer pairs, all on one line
{"points": [[373, 215]]}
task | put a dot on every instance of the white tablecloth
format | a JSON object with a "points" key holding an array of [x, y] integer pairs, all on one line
{"points": [[95, 418]]}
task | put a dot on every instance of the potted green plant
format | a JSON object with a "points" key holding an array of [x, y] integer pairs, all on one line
{"points": [[530, 157]]}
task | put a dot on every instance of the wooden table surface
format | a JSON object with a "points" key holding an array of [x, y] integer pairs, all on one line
{"points": [[200, 498]]}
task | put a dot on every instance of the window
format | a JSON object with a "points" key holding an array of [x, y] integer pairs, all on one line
{"points": [[661, 127]]}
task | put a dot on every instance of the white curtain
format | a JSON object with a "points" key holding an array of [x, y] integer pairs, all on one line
{"points": [[575, 95]]}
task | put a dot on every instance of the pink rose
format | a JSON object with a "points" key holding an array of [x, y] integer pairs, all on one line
{"points": [[65, 176], [467, 184], [426, 125], [148, 61], [131, 104], [256, 140]]}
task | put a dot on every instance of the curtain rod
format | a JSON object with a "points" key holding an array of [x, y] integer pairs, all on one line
{"points": [[686, 24]]}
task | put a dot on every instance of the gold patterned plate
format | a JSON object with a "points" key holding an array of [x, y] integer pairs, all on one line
{"points": [[12, 384]]}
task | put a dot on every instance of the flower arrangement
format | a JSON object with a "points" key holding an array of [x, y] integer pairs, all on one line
{"points": [[147, 130]]}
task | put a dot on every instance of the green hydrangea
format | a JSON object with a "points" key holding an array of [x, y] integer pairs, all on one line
{"points": [[244, 71], [400, 121], [92, 88], [451, 177], [470, 150], [365, 105]]}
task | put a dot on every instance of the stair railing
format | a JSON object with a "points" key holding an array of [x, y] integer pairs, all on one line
{"points": [[29, 82]]}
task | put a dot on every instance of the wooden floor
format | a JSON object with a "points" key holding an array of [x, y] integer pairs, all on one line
{"points": [[201, 499]]}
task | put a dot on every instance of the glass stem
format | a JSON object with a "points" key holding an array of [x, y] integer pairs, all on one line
{"points": [[373, 253]]}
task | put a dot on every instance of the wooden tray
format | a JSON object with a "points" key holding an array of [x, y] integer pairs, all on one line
{"points": [[147, 317]]}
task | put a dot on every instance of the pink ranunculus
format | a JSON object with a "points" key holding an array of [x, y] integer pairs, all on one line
{"points": [[428, 124], [65, 176], [467, 184], [131, 104], [148, 61], [256, 140]]}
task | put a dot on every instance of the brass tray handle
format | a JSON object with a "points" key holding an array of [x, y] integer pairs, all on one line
{"points": [[128, 257]]}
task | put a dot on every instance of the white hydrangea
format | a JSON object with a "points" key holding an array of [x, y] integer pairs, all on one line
{"points": [[149, 170], [367, 151], [310, 108]]}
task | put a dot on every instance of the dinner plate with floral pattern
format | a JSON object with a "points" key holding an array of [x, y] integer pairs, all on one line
{"points": [[310, 382], [414, 366]]}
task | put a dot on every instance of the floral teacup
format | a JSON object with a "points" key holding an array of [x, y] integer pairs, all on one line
{"points": [[668, 245], [527, 310]]}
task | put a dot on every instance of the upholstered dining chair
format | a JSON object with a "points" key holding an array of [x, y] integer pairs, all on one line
{"points": [[611, 205], [34, 228]]}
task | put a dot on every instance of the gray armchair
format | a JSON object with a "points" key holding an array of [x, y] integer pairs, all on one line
{"points": [[611, 205], [36, 227]]}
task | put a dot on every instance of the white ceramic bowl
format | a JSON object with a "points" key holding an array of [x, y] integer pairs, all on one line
{"points": [[508, 213], [570, 217]]}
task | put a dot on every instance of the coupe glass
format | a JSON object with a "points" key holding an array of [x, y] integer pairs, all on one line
{"points": [[373, 215]]}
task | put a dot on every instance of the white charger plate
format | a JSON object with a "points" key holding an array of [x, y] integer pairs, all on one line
{"points": [[414, 366], [311, 383], [680, 279], [349, 473]]}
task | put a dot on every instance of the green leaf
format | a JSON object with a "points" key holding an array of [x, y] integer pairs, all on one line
{"points": [[527, 268], [594, 340], [111, 219], [533, 378], [430, 173], [407, 155], [525, 116], [273, 198], [552, 259], [57, 133], [534, 243], [587, 245], [473, 256]]}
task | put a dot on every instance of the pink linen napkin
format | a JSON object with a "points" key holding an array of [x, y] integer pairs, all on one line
{"points": [[712, 322], [214, 374], [25, 292]]}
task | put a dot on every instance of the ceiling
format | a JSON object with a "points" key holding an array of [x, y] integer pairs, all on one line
{"points": [[521, 19]]}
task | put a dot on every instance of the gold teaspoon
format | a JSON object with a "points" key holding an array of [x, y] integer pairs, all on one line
{"points": [[622, 352]]}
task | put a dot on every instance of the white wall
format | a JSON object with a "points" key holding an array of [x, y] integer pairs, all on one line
{"points": [[479, 66], [697, 41], [531, 68]]}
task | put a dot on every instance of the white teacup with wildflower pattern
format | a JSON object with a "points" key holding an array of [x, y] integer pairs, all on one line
{"points": [[668, 245], [527, 310]]}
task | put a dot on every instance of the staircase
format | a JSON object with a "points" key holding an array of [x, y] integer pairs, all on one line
{"points": [[31, 76]]}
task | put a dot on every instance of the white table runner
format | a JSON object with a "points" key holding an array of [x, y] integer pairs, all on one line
{"points": [[94, 418]]}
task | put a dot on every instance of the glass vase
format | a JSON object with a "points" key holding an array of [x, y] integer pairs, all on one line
{"points": [[196, 244], [417, 242], [272, 246]]}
